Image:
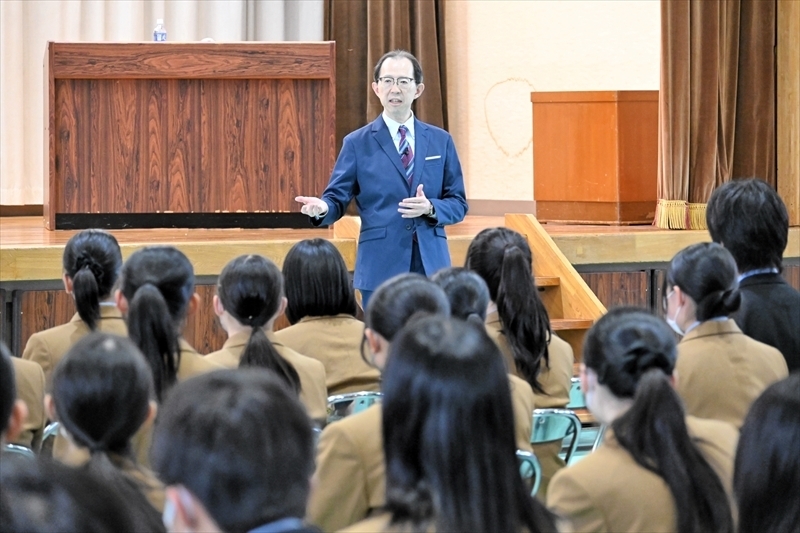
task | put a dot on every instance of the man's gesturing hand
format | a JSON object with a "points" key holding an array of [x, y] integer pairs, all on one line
{"points": [[416, 206], [313, 207]]}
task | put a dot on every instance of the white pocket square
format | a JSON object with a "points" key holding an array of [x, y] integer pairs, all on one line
{"points": [[433, 157]]}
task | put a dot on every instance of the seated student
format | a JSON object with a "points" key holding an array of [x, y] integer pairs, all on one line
{"points": [[91, 262], [450, 450], [750, 220], [156, 295], [469, 299], [720, 369], [249, 298], [236, 451], [101, 395], [44, 496], [657, 469], [350, 476], [30, 386], [321, 308], [12, 409], [518, 322], [766, 477]]}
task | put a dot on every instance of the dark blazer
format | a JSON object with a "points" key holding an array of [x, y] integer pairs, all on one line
{"points": [[770, 313], [369, 169]]}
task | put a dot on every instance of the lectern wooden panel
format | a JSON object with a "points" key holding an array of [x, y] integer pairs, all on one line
{"points": [[595, 156], [186, 134]]}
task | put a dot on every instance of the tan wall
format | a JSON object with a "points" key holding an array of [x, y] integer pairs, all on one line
{"points": [[498, 51]]}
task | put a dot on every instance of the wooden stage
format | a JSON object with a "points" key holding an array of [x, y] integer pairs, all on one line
{"points": [[29, 252]]}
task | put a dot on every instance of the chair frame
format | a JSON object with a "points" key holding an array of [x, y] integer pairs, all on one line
{"points": [[20, 450], [575, 424], [527, 458]]}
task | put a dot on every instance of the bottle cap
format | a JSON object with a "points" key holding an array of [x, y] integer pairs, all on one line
{"points": [[159, 21]]}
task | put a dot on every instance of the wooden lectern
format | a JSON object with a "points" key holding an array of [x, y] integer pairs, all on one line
{"points": [[147, 135], [595, 156]]}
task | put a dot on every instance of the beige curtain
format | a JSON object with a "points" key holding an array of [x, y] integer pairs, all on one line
{"points": [[26, 25], [717, 102]]}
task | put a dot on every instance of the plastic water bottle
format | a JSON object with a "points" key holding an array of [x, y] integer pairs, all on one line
{"points": [[160, 32]]}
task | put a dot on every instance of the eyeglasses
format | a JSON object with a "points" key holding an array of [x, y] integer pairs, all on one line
{"points": [[402, 82]]}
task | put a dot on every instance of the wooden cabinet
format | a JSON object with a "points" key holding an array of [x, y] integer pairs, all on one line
{"points": [[595, 156]]}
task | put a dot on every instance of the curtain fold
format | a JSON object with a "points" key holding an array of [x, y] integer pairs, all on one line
{"points": [[717, 102], [26, 25], [364, 30]]}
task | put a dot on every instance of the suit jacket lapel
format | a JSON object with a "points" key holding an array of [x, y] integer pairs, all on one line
{"points": [[421, 150], [384, 138]]}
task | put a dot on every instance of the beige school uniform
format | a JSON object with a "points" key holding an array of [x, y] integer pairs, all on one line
{"points": [[49, 346], [313, 393], [609, 491], [334, 341], [351, 475], [720, 371], [555, 379], [30, 383]]}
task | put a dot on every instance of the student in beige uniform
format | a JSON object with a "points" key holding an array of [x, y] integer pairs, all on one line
{"points": [[12, 409], [720, 369], [101, 395], [322, 308], [518, 322], [91, 262], [156, 295], [350, 480], [249, 298], [443, 474], [766, 477], [469, 298], [30, 387], [657, 469]]}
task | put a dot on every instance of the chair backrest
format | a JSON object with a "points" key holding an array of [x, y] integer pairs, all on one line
{"points": [[342, 405], [556, 424], [576, 398], [51, 430], [20, 450], [530, 470]]}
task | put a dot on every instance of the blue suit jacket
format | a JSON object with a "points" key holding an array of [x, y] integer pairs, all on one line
{"points": [[369, 169]]}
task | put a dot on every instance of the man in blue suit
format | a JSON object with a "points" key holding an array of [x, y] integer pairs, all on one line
{"points": [[405, 177]]}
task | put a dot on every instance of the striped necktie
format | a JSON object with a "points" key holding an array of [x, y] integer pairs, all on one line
{"points": [[406, 154]]}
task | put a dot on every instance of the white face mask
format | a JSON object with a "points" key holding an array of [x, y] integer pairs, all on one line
{"points": [[671, 321], [168, 516]]}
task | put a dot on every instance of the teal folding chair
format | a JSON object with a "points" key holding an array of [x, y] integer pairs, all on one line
{"points": [[530, 470], [576, 397], [342, 405], [16, 449], [556, 424]]}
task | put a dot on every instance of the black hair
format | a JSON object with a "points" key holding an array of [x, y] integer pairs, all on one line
{"points": [[750, 220], [158, 282], [766, 475], [706, 272], [317, 281], [265, 476], [8, 387], [466, 291], [92, 259], [250, 288], [399, 298], [398, 54], [101, 390], [633, 353], [503, 258], [441, 471], [43, 496]]}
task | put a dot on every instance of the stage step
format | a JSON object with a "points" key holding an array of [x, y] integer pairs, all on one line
{"points": [[548, 281], [562, 324]]}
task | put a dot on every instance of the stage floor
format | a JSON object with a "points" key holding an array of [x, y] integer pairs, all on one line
{"points": [[30, 252]]}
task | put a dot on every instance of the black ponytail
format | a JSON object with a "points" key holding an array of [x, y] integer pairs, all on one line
{"points": [[633, 353], [250, 288], [101, 391], [158, 282], [503, 259], [150, 327], [92, 259], [707, 273]]}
